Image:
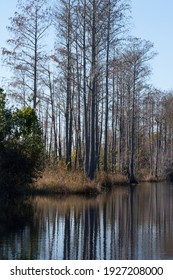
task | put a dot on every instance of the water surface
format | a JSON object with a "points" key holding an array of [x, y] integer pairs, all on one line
{"points": [[126, 223]]}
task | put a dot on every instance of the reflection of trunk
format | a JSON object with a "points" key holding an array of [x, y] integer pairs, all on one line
{"points": [[85, 237], [113, 235], [104, 232], [67, 237], [77, 222], [132, 222], [52, 235], [96, 232], [91, 233]]}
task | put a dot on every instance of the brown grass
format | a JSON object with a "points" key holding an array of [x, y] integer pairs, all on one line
{"points": [[107, 180], [65, 182], [152, 179], [145, 176], [149, 178], [61, 181]]}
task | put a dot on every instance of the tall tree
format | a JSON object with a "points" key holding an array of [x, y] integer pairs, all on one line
{"points": [[137, 56], [28, 29], [115, 24]]}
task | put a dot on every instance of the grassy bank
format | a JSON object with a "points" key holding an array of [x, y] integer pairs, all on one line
{"points": [[60, 181], [144, 176], [69, 182]]}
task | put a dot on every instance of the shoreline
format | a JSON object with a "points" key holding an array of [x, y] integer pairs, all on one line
{"points": [[64, 182]]}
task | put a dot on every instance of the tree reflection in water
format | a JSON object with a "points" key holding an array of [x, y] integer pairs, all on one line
{"points": [[127, 223], [15, 219]]}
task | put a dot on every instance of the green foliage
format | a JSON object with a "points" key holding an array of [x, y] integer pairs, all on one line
{"points": [[5, 117], [21, 146]]}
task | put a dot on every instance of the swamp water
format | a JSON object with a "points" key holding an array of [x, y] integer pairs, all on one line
{"points": [[125, 223]]}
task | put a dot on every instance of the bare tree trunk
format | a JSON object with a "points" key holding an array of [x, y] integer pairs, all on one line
{"points": [[87, 151], [132, 176], [92, 163], [107, 92], [115, 105], [68, 97]]}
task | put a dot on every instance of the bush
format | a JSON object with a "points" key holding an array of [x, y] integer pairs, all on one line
{"points": [[21, 147]]}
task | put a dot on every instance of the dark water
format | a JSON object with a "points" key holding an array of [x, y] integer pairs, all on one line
{"points": [[126, 223]]}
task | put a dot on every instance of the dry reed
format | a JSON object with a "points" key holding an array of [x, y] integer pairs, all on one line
{"points": [[61, 181]]}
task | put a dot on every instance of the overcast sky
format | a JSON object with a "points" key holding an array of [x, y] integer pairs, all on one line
{"points": [[152, 20]]}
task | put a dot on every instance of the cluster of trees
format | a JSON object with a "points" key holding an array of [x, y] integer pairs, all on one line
{"points": [[21, 146], [89, 86]]}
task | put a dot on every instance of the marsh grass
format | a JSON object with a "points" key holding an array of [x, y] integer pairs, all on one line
{"points": [[145, 176], [109, 180], [65, 182], [62, 181], [152, 179]]}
